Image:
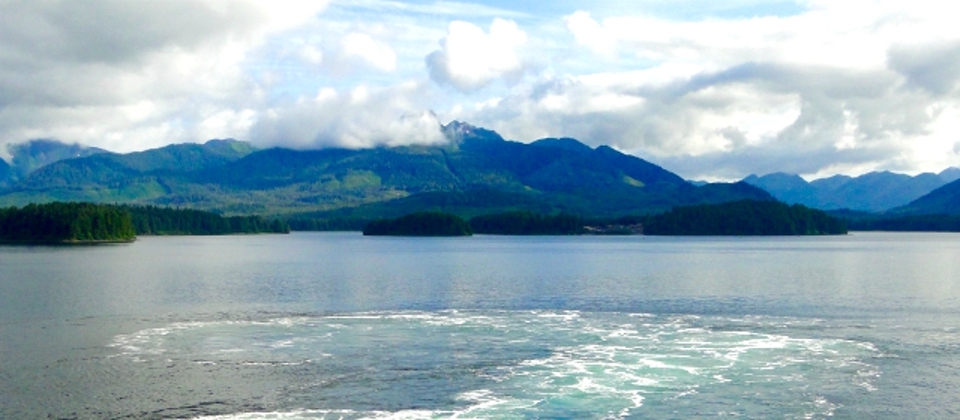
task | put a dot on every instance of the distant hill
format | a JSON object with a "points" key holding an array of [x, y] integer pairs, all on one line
{"points": [[6, 173], [476, 172], [110, 177], [950, 174], [34, 154], [872, 192], [943, 200], [788, 188]]}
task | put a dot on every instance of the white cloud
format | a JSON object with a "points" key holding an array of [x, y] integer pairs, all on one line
{"points": [[130, 75], [836, 87], [375, 53], [470, 59], [361, 117], [827, 86], [635, 117], [751, 118], [226, 123], [589, 33], [817, 37], [440, 8], [310, 54]]}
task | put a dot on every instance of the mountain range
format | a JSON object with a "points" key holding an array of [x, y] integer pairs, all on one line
{"points": [[476, 171], [874, 192]]}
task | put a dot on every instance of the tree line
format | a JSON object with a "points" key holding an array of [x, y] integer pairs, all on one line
{"points": [[155, 220], [420, 224], [917, 223], [527, 223], [69, 222], [446, 224], [66, 223], [747, 217], [738, 218], [328, 224]]}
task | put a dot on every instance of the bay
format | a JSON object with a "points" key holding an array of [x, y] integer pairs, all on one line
{"points": [[337, 325]]}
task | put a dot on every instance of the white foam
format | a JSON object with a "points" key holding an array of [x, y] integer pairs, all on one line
{"points": [[616, 361]]}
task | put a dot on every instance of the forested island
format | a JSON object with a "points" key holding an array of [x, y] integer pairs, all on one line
{"points": [[66, 223], [747, 217], [77, 223], [738, 218]]}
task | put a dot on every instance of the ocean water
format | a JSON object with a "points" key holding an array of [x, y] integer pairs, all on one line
{"points": [[340, 326]]}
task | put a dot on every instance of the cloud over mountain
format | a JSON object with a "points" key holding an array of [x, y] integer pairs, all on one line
{"points": [[470, 58], [360, 118], [128, 75], [835, 88], [714, 91]]}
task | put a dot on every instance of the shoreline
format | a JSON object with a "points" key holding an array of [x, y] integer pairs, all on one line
{"points": [[67, 242]]}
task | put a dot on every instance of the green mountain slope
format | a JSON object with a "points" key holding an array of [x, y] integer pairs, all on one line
{"points": [[110, 177], [477, 171]]}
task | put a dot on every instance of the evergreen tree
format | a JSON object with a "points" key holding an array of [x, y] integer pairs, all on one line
{"points": [[745, 217], [527, 223], [66, 222], [420, 224]]}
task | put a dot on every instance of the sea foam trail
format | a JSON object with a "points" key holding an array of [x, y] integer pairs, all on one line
{"points": [[509, 364]]}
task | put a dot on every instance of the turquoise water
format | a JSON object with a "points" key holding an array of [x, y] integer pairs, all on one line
{"points": [[341, 326]]}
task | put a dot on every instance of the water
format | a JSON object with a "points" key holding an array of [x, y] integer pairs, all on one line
{"points": [[337, 326]]}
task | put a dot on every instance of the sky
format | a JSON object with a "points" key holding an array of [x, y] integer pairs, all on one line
{"points": [[709, 90]]}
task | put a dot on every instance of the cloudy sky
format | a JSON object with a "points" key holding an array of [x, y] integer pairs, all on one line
{"points": [[710, 90]]}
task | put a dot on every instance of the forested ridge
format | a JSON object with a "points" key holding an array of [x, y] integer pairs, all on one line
{"points": [[475, 172]]}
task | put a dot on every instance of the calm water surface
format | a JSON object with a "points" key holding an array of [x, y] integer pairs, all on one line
{"points": [[313, 325]]}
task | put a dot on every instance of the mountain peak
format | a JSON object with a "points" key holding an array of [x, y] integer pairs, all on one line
{"points": [[458, 131], [457, 124], [950, 174], [565, 143], [221, 141], [781, 179]]}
